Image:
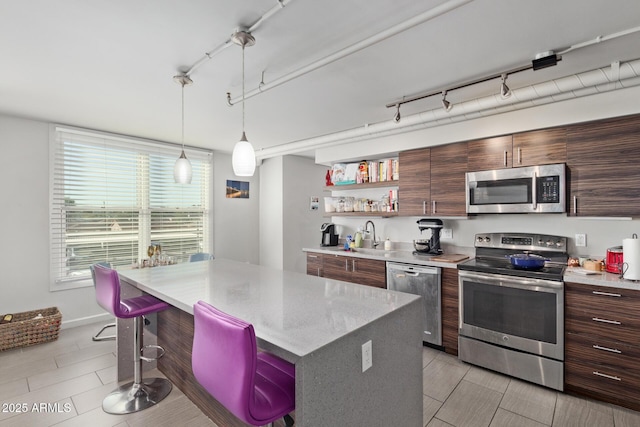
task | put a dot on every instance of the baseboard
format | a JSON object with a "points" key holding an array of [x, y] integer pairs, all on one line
{"points": [[74, 323]]}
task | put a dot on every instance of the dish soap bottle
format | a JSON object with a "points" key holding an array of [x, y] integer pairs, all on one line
{"points": [[358, 242], [387, 245]]}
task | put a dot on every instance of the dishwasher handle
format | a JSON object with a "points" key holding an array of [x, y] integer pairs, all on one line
{"points": [[412, 269]]}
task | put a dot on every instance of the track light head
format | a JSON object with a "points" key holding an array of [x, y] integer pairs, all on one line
{"points": [[446, 104], [505, 92], [397, 117]]}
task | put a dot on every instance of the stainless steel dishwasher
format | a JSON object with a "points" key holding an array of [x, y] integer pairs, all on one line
{"points": [[426, 282]]}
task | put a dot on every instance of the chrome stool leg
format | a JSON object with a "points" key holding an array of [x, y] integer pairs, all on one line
{"points": [[97, 336], [139, 394]]}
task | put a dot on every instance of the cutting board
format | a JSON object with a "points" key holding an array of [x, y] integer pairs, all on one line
{"points": [[450, 258]]}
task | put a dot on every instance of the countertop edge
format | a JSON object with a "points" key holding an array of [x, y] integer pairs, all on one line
{"points": [[603, 279], [400, 256]]}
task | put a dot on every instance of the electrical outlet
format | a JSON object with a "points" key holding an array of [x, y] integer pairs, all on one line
{"points": [[581, 240], [447, 233], [367, 357]]}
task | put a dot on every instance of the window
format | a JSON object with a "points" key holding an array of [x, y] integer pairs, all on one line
{"points": [[112, 196]]}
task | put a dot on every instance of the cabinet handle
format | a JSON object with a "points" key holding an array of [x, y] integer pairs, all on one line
{"points": [[612, 322], [346, 265], [504, 161], [519, 156], [575, 205], [433, 206], [611, 377], [611, 350], [319, 275], [424, 207], [312, 256], [607, 294], [353, 265]]}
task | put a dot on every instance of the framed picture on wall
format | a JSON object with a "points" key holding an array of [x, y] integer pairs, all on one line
{"points": [[237, 189]]}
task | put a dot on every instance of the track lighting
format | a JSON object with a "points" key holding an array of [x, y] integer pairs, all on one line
{"points": [[446, 104], [505, 92], [397, 117]]}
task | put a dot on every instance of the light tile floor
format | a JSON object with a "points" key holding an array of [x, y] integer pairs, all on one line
{"points": [[63, 383]]}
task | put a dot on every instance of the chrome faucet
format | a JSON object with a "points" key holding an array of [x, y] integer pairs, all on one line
{"points": [[374, 243]]}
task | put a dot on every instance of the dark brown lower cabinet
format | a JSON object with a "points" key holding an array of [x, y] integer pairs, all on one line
{"points": [[602, 343], [450, 310], [370, 272]]}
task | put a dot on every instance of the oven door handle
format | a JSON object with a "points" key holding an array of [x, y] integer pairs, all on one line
{"points": [[511, 281]]}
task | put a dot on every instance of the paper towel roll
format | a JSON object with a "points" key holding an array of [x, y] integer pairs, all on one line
{"points": [[631, 257]]}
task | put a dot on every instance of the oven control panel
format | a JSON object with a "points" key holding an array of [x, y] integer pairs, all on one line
{"points": [[521, 241]]}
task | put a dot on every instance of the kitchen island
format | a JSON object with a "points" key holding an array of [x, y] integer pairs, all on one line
{"points": [[318, 324]]}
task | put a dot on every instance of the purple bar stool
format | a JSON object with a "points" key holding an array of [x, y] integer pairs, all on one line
{"points": [[258, 388], [138, 394]]}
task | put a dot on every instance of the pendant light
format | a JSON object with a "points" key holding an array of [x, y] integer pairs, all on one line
{"points": [[243, 158], [182, 171]]}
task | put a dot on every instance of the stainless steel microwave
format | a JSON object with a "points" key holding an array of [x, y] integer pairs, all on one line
{"points": [[533, 189]]}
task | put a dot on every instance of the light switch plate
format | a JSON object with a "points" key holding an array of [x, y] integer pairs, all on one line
{"points": [[581, 240], [447, 233], [367, 357]]}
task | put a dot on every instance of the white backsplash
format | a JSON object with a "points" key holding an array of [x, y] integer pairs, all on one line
{"points": [[601, 233]]}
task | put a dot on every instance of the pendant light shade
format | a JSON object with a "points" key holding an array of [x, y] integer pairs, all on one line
{"points": [[243, 158], [182, 172]]}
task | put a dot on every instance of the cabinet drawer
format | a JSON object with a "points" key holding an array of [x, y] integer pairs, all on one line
{"points": [[625, 329], [603, 383], [605, 300], [595, 351], [314, 264]]}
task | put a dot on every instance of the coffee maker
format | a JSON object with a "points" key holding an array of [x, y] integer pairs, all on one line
{"points": [[329, 236], [430, 246]]}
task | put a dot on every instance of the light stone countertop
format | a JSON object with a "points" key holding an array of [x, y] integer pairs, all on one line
{"points": [[293, 314], [605, 279], [401, 256]]}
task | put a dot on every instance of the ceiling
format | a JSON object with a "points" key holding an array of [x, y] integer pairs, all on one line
{"points": [[109, 65]]}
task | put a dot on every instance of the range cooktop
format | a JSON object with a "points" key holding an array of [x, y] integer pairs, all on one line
{"points": [[493, 249]]}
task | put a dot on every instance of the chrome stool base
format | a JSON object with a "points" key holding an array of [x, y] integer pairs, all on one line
{"points": [[133, 397]]}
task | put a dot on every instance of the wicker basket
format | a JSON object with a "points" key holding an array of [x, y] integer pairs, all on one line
{"points": [[25, 329]]}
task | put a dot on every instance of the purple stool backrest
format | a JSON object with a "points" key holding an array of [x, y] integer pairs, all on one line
{"points": [[224, 358], [107, 289]]}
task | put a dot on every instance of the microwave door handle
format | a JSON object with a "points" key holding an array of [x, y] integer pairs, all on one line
{"points": [[535, 191]]}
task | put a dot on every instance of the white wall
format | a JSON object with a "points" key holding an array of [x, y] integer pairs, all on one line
{"points": [[235, 220], [24, 226], [270, 238], [302, 180]]}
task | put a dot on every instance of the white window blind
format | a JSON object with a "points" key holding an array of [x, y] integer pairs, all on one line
{"points": [[113, 196]]}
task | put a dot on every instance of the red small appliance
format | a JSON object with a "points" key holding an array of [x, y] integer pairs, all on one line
{"points": [[614, 260]]}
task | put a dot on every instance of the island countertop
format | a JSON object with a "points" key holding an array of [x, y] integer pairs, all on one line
{"points": [[294, 312]]}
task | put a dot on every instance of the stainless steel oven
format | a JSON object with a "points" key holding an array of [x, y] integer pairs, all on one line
{"points": [[512, 320]]}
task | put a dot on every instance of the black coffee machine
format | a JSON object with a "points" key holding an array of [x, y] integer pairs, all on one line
{"points": [[329, 236], [429, 246]]}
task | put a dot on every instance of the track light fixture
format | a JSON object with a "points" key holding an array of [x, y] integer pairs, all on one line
{"points": [[397, 117], [446, 104], [505, 92]]}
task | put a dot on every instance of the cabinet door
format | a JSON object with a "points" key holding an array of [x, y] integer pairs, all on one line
{"points": [[369, 272], [448, 168], [337, 267], [414, 194], [450, 310], [490, 153], [314, 264], [603, 160], [540, 147]]}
